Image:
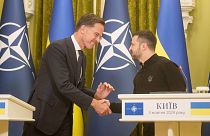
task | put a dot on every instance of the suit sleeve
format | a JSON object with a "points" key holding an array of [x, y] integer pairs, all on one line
{"points": [[89, 92], [116, 107], [55, 59]]}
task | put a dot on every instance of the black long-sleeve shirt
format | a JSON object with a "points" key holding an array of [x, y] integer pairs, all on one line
{"points": [[157, 74]]}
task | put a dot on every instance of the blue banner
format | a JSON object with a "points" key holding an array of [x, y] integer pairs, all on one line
{"points": [[114, 65], [62, 20], [16, 66], [170, 34]]}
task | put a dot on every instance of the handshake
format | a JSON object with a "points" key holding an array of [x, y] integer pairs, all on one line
{"points": [[99, 103]]}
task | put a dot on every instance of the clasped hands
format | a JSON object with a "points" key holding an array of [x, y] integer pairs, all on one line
{"points": [[99, 103]]}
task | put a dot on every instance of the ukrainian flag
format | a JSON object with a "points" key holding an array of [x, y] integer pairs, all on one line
{"points": [[2, 108], [200, 108], [62, 26], [171, 39], [62, 20]]}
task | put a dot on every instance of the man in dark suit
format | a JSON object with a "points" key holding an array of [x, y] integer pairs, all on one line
{"points": [[61, 79]]}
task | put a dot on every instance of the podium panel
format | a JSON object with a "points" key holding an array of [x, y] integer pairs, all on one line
{"points": [[169, 111], [13, 109]]}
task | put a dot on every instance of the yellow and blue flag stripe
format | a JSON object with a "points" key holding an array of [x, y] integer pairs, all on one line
{"points": [[171, 39], [200, 108], [2, 108]]}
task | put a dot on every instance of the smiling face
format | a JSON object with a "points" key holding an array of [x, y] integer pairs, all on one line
{"points": [[91, 35]]}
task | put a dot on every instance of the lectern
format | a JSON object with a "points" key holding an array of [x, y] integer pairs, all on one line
{"points": [[13, 109], [173, 114]]}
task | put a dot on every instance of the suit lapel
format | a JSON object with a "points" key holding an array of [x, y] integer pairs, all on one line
{"points": [[72, 58], [84, 67], [73, 62], [82, 77]]}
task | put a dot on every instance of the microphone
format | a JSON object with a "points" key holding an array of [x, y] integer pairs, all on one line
{"points": [[185, 79], [209, 80]]}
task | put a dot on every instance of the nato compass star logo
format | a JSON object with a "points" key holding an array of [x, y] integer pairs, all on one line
{"points": [[114, 46], [12, 55], [134, 108]]}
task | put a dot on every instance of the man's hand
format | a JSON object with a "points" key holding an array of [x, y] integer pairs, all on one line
{"points": [[103, 90], [101, 107]]}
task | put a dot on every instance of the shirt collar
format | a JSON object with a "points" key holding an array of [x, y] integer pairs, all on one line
{"points": [[76, 45], [151, 60]]}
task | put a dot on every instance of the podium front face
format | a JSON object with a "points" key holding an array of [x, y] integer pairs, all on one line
{"points": [[165, 107], [3, 124], [173, 114], [13, 109]]}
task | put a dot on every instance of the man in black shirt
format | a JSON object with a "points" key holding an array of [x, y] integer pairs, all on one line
{"points": [[157, 74]]}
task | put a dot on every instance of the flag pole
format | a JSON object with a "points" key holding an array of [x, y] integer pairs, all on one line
{"points": [[94, 48]]}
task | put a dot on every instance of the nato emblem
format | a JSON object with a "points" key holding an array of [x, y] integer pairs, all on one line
{"points": [[134, 108], [13, 53], [114, 45]]}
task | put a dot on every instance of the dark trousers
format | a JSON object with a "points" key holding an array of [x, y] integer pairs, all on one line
{"points": [[64, 130], [148, 129]]}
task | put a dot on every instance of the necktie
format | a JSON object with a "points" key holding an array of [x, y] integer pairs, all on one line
{"points": [[77, 112], [80, 63]]}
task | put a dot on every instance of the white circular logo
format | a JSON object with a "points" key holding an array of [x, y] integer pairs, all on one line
{"points": [[114, 45], [14, 46], [133, 108]]}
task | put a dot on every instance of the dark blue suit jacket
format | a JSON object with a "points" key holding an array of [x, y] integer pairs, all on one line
{"points": [[57, 87]]}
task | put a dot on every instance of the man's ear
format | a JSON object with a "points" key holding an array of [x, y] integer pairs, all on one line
{"points": [[144, 46], [82, 29]]}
